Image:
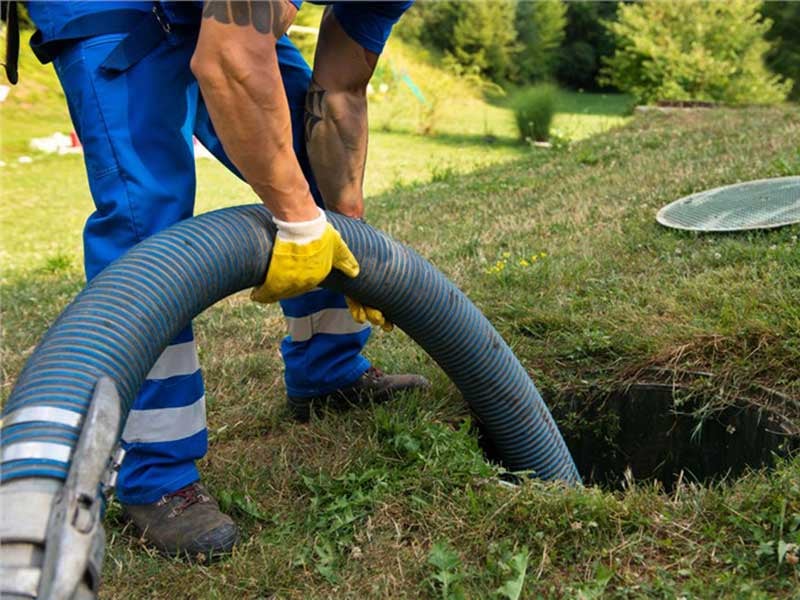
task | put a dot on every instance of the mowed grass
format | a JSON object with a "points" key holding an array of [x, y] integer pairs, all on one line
{"points": [[397, 501], [468, 133]]}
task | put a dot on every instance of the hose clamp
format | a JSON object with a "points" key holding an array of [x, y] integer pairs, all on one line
{"points": [[75, 539], [109, 482]]}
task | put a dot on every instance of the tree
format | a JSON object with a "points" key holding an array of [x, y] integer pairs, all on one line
{"points": [[484, 38], [431, 23], [784, 58], [694, 50], [503, 40], [540, 31], [587, 42]]}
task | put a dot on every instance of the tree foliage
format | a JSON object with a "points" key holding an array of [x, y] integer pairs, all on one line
{"points": [[784, 57], [503, 40], [586, 43], [540, 31], [484, 39], [694, 50]]}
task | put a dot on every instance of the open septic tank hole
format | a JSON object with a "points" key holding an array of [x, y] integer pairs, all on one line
{"points": [[642, 430]]}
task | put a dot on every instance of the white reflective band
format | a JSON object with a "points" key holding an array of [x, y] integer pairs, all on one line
{"points": [[20, 581], [178, 359], [165, 424], [40, 450], [24, 515], [50, 414], [329, 320]]}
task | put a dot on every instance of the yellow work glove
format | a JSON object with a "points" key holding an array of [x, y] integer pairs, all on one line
{"points": [[302, 256], [362, 314]]}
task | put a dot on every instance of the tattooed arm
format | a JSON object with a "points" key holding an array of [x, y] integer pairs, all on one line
{"points": [[336, 117], [236, 64]]}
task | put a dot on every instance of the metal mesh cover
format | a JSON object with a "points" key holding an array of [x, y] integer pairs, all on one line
{"points": [[760, 204]]}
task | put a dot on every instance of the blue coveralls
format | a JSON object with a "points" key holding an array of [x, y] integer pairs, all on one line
{"points": [[135, 117]]}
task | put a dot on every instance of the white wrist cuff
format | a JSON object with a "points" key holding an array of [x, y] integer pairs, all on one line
{"points": [[302, 232]]}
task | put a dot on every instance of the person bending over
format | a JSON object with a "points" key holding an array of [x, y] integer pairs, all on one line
{"points": [[130, 73]]}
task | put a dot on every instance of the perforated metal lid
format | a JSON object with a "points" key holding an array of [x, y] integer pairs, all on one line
{"points": [[760, 204]]}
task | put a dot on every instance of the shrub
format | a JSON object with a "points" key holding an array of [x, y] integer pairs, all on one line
{"points": [[534, 108], [693, 50]]}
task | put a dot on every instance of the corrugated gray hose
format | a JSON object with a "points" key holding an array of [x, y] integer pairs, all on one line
{"points": [[119, 325]]}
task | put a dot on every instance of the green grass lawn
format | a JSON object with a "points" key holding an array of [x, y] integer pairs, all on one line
{"points": [[397, 501], [468, 134]]}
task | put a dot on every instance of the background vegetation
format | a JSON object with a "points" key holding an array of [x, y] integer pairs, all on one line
{"points": [[688, 50], [784, 57], [587, 41], [694, 50]]}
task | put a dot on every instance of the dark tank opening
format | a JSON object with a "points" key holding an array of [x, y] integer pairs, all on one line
{"points": [[641, 431]]}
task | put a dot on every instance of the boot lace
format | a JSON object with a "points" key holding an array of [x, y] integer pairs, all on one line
{"points": [[189, 495], [374, 372]]}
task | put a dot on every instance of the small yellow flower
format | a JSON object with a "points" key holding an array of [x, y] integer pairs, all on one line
{"points": [[534, 258], [506, 254], [543, 254], [524, 263]]}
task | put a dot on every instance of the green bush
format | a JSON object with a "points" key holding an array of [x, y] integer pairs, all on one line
{"points": [[784, 58], [534, 108], [693, 50]]}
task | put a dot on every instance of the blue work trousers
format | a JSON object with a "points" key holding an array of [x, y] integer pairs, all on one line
{"points": [[136, 127]]}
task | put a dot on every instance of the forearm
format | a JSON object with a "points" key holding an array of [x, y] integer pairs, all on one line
{"points": [[336, 137], [236, 65], [336, 118]]}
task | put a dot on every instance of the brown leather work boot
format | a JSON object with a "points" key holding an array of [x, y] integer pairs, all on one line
{"points": [[187, 522], [373, 386]]}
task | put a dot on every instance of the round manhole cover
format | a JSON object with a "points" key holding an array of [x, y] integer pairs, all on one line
{"points": [[758, 204]]}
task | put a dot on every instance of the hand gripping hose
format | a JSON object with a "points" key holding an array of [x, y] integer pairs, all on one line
{"points": [[118, 326]]}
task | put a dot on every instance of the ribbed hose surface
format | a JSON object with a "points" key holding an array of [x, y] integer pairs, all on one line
{"points": [[126, 317]]}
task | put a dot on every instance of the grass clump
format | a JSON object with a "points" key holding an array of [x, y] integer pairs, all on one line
{"points": [[534, 109]]}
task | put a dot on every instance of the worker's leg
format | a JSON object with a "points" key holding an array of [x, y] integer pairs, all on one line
{"points": [[135, 127], [322, 352]]}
